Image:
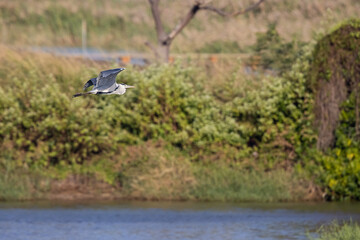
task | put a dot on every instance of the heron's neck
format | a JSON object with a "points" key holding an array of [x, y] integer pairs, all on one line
{"points": [[120, 89]]}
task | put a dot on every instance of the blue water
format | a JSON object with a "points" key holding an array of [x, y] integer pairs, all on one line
{"points": [[92, 54], [166, 220]]}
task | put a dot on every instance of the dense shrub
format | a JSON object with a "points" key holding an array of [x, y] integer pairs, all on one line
{"points": [[277, 116], [40, 124], [171, 103]]}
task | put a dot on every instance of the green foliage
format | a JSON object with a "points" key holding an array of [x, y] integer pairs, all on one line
{"points": [[336, 62], [340, 46], [335, 231], [41, 126], [340, 168], [169, 103], [265, 128], [274, 52], [278, 114], [44, 126]]}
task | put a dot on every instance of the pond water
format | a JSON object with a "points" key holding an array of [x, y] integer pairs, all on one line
{"points": [[168, 220]]}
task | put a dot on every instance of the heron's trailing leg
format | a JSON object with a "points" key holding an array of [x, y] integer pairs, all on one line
{"points": [[82, 94]]}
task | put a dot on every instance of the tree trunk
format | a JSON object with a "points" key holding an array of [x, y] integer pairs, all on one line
{"points": [[163, 51]]}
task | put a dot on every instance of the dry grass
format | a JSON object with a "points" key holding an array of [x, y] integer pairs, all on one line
{"points": [[19, 64], [295, 18]]}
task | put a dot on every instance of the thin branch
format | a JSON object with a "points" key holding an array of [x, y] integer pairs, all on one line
{"points": [[201, 6], [180, 26], [153, 48], [233, 14], [216, 10], [250, 8]]}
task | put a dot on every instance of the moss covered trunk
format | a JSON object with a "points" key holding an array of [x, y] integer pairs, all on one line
{"points": [[335, 75]]}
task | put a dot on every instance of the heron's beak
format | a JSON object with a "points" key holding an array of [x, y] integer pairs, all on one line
{"points": [[130, 86]]}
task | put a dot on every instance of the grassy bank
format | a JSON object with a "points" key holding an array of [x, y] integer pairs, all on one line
{"points": [[335, 231], [154, 172]]}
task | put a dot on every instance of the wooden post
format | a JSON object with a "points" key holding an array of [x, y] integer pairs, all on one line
{"points": [[3, 31], [83, 36]]}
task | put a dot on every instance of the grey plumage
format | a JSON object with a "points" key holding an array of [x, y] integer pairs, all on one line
{"points": [[105, 83], [89, 83]]}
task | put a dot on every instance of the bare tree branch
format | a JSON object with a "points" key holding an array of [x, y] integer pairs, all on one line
{"points": [[178, 28], [164, 39], [216, 10], [233, 14], [200, 6], [248, 9], [154, 4]]}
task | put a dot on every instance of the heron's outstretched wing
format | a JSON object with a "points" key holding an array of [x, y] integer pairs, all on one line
{"points": [[107, 78], [90, 83]]}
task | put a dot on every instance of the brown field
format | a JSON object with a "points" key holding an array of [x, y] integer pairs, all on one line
{"points": [[299, 19]]}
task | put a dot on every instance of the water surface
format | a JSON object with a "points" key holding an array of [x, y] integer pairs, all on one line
{"points": [[168, 220]]}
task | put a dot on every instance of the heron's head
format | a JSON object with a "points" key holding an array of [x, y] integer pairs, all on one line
{"points": [[127, 86]]}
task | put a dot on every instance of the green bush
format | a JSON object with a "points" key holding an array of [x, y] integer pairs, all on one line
{"points": [[277, 116], [274, 52], [44, 126], [170, 103], [340, 168]]}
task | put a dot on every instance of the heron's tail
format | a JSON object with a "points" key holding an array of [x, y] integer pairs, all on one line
{"points": [[81, 94]]}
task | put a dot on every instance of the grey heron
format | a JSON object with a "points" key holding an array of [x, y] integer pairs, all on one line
{"points": [[105, 83]]}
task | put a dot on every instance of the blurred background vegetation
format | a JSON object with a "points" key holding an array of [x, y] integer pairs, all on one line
{"points": [[127, 24], [238, 128]]}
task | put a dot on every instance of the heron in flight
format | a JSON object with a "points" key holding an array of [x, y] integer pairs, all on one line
{"points": [[105, 83]]}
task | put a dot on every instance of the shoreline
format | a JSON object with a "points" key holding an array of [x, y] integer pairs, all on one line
{"points": [[75, 188]]}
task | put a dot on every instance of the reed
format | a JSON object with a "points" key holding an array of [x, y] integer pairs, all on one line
{"points": [[347, 230]]}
